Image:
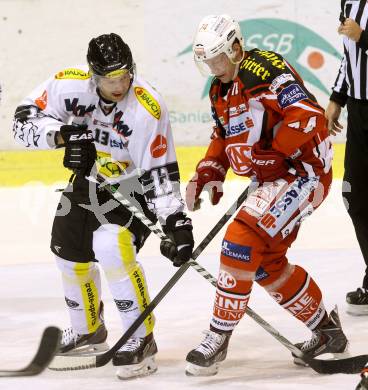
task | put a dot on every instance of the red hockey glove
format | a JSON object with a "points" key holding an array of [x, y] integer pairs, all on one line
{"points": [[210, 174], [268, 164]]}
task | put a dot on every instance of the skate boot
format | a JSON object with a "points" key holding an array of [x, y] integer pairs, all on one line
{"points": [[136, 357], [329, 338], [363, 384], [205, 359], [74, 345], [357, 302]]}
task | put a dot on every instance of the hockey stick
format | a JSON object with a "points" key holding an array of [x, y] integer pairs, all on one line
{"points": [[348, 365], [85, 362], [46, 351]]}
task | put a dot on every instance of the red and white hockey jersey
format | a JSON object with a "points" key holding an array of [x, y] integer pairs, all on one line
{"points": [[268, 100]]}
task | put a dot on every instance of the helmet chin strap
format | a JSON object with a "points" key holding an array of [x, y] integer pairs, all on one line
{"points": [[237, 63]]}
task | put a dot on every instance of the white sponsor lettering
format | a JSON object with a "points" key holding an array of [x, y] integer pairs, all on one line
{"points": [[226, 280], [280, 80]]}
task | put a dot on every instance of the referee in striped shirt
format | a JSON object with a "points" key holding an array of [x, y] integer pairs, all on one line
{"points": [[351, 88]]}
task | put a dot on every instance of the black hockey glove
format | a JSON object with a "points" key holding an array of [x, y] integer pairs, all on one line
{"points": [[179, 229], [80, 151]]}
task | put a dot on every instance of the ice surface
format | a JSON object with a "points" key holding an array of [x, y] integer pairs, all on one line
{"points": [[31, 298]]}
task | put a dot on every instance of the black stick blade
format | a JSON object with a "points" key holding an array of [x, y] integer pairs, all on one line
{"points": [[49, 344], [352, 365]]}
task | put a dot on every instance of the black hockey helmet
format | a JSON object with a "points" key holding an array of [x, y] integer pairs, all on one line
{"points": [[108, 53]]}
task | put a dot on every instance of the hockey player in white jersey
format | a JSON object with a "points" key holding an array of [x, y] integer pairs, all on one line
{"points": [[108, 118]]}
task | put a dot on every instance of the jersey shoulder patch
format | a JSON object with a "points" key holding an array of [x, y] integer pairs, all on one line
{"points": [[72, 73], [146, 99]]}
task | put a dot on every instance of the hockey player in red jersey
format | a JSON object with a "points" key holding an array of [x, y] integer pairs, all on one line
{"points": [[270, 128], [105, 115]]}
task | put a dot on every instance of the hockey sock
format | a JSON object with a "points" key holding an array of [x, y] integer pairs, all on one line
{"points": [[115, 250], [82, 289], [300, 295]]}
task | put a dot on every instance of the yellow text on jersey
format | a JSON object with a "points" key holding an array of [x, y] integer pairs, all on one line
{"points": [[72, 73], [148, 102]]}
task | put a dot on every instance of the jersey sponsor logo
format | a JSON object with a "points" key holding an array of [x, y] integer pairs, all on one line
{"points": [[120, 127], [148, 102], [72, 73], [78, 109], [229, 307], [226, 280], [289, 202], [91, 301], [41, 101], [280, 80], [237, 110], [278, 297], [238, 125], [275, 60], [140, 286], [239, 157], [235, 129], [158, 147], [235, 251], [290, 95], [109, 167], [251, 65], [261, 274], [260, 199], [101, 123], [103, 137], [304, 308], [223, 324], [316, 317], [123, 305]]}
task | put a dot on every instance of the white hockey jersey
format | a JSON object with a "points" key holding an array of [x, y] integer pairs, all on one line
{"points": [[136, 134]]}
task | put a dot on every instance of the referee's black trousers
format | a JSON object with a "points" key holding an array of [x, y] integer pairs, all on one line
{"points": [[355, 187]]}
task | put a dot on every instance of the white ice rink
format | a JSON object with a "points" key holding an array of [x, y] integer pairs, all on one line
{"points": [[31, 298]]}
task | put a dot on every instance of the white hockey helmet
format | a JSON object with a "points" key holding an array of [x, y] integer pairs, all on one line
{"points": [[215, 35]]}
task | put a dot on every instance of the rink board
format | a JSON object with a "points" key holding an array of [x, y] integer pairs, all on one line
{"points": [[46, 167]]}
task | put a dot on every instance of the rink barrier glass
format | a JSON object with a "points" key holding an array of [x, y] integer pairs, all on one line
{"points": [[46, 166]]}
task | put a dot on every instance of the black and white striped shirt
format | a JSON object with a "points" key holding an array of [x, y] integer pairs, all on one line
{"points": [[352, 77]]}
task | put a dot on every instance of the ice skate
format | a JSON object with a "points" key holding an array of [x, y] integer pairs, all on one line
{"points": [[357, 302], [328, 339], [205, 359], [74, 345], [136, 358]]}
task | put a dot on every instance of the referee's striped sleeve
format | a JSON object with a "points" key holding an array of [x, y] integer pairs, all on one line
{"points": [[340, 88]]}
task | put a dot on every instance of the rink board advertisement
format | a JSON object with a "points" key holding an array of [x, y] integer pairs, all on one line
{"points": [[161, 46]]}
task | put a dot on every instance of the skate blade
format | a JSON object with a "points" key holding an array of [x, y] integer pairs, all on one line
{"points": [[324, 356], [194, 370], [357, 310], [77, 357], [147, 367]]}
